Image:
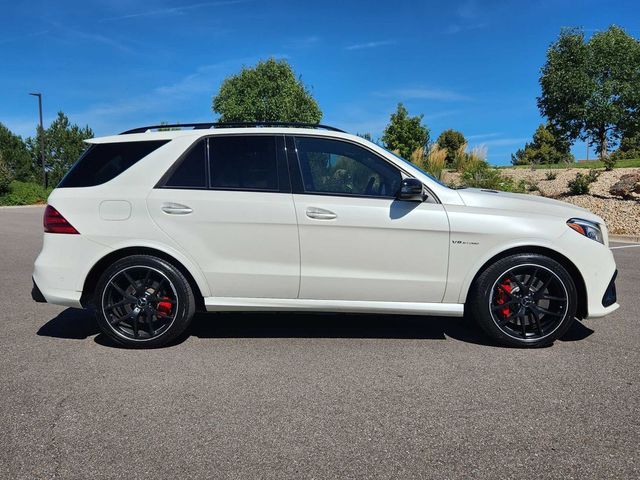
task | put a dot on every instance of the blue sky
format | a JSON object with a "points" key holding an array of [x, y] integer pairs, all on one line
{"points": [[115, 64]]}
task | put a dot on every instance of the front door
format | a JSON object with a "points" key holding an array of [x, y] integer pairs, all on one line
{"points": [[357, 241]]}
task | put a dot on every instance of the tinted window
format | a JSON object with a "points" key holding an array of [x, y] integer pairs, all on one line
{"points": [[105, 161], [333, 166], [243, 162], [192, 170]]}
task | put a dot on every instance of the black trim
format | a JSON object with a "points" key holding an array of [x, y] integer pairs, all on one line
{"points": [[294, 167], [170, 171], [205, 126], [610, 296], [36, 294], [293, 184], [284, 182]]}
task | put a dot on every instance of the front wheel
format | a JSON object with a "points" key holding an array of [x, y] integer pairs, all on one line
{"points": [[524, 300], [143, 301]]}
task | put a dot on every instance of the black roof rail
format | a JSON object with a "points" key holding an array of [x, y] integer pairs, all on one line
{"points": [[205, 126]]}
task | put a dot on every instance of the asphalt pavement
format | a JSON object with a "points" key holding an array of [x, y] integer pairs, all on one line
{"points": [[310, 396]]}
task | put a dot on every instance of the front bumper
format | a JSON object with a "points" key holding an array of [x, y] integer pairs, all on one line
{"points": [[597, 267], [610, 295]]}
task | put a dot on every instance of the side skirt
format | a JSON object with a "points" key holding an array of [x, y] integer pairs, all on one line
{"points": [[230, 304]]}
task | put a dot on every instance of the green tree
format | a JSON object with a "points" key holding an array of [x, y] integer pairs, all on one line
{"points": [[629, 146], [16, 156], [546, 148], [268, 92], [167, 129], [64, 143], [5, 176], [591, 89], [405, 134], [451, 140]]}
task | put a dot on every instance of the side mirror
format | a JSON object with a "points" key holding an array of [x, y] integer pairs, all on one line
{"points": [[411, 189]]}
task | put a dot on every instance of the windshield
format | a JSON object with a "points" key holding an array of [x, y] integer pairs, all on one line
{"points": [[439, 182]]}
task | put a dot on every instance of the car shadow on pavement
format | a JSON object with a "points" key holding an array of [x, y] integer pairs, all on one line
{"points": [[73, 323], [318, 325], [80, 324]]}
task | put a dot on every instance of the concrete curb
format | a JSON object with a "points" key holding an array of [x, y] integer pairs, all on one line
{"points": [[624, 238], [23, 206]]}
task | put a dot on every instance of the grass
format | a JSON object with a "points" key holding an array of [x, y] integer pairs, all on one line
{"points": [[624, 163], [436, 160], [24, 193]]}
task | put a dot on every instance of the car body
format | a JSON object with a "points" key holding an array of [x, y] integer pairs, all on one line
{"points": [[265, 238]]}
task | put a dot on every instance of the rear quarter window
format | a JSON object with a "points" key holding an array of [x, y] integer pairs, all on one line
{"points": [[105, 161]]}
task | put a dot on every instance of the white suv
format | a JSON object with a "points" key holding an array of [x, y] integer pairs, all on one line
{"points": [[156, 223]]}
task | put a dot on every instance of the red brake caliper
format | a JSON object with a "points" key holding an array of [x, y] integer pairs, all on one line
{"points": [[164, 307], [503, 297]]}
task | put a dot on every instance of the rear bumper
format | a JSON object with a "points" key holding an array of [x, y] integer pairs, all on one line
{"points": [[36, 294], [61, 268]]}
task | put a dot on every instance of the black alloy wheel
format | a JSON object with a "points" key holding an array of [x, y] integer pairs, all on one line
{"points": [[528, 302], [143, 301], [524, 300], [140, 302]]}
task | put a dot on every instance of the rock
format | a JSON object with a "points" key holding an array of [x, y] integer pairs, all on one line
{"points": [[627, 185]]}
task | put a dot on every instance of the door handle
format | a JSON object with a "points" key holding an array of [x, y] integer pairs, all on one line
{"points": [[320, 213], [176, 209]]}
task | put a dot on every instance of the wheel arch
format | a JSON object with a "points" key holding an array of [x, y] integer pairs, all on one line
{"points": [[101, 265], [582, 309]]}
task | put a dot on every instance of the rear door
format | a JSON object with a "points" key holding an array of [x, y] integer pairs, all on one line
{"points": [[228, 203], [357, 241]]}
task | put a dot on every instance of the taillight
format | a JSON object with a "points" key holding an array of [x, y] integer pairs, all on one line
{"points": [[54, 222]]}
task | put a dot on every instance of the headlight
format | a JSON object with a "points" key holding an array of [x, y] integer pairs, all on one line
{"points": [[588, 229]]}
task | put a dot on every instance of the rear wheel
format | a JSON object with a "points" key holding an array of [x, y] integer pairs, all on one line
{"points": [[524, 300], [143, 301]]}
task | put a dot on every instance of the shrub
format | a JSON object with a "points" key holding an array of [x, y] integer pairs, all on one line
{"points": [[25, 193], [551, 175], [609, 162], [436, 161], [579, 185], [593, 175], [624, 155], [464, 159], [5, 176], [461, 158], [629, 147], [521, 187], [478, 174], [417, 157]]}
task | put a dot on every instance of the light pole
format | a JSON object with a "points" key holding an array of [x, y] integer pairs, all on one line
{"points": [[44, 172]]}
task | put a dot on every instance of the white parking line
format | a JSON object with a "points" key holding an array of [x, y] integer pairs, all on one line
{"points": [[624, 246]]}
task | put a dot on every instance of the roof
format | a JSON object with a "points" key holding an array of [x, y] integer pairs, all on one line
{"points": [[226, 130], [210, 125]]}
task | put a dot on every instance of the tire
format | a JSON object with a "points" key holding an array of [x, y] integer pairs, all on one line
{"points": [[142, 301], [524, 300]]}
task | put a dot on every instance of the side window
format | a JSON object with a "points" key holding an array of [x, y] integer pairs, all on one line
{"points": [[243, 162], [334, 166], [105, 161], [192, 170]]}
